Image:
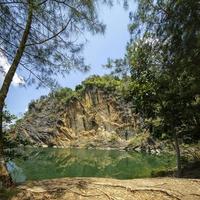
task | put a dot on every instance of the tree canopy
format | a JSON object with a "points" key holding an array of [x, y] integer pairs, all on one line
{"points": [[54, 41], [44, 38], [163, 60]]}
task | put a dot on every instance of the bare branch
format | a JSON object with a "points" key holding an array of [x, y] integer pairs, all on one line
{"points": [[42, 2], [59, 36], [24, 66], [73, 8], [159, 7]]}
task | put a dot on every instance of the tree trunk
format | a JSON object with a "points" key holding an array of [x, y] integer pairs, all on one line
{"points": [[178, 155], [5, 179]]}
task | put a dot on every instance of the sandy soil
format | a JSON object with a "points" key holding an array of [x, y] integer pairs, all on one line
{"points": [[110, 189]]}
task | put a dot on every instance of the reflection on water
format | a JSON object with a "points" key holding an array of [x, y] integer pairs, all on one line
{"points": [[55, 163], [16, 172]]}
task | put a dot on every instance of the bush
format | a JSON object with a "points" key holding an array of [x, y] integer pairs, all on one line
{"points": [[64, 94], [31, 105], [107, 82]]}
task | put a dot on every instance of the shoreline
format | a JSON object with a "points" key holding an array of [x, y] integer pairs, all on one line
{"points": [[87, 148]]}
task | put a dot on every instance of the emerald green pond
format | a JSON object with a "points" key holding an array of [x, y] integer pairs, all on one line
{"points": [[48, 163]]}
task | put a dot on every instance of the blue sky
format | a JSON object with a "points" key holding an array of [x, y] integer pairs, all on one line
{"points": [[98, 49]]}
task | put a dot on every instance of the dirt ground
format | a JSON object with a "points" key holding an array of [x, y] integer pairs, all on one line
{"points": [[110, 189]]}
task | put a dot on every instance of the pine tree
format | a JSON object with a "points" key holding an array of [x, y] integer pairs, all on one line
{"points": [[43, 37]]}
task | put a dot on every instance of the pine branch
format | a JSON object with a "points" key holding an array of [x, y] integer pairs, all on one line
{"points": [[27, 53], [50, 38], [24, 66], [42, 2], [11, 2]]}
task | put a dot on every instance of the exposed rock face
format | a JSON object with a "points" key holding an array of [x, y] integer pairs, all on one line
{"points": [[97, 115]]}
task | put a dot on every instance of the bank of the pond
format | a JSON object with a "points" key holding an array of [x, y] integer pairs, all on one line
{"points": [[110, 189]]}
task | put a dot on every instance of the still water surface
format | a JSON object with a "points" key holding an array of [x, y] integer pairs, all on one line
{"points": [[48, 163]]}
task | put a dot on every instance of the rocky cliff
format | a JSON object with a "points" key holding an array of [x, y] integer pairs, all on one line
{"points": [[97, 117]]}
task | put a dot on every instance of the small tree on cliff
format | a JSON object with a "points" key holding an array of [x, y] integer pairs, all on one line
{"points": [[42, 37]]}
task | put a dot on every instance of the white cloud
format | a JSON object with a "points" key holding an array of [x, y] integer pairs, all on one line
{"points": [[5, 65]]}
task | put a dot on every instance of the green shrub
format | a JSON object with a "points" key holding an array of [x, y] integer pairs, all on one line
{"points": [[107, 82]]}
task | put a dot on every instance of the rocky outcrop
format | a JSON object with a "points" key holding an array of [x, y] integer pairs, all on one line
{"points": [[97, 116]]}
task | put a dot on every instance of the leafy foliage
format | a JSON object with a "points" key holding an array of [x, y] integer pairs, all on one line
{"points": [[55, 41], [109, 83], [7, 118], [163, 57], [63, 95], [50, 49]]}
